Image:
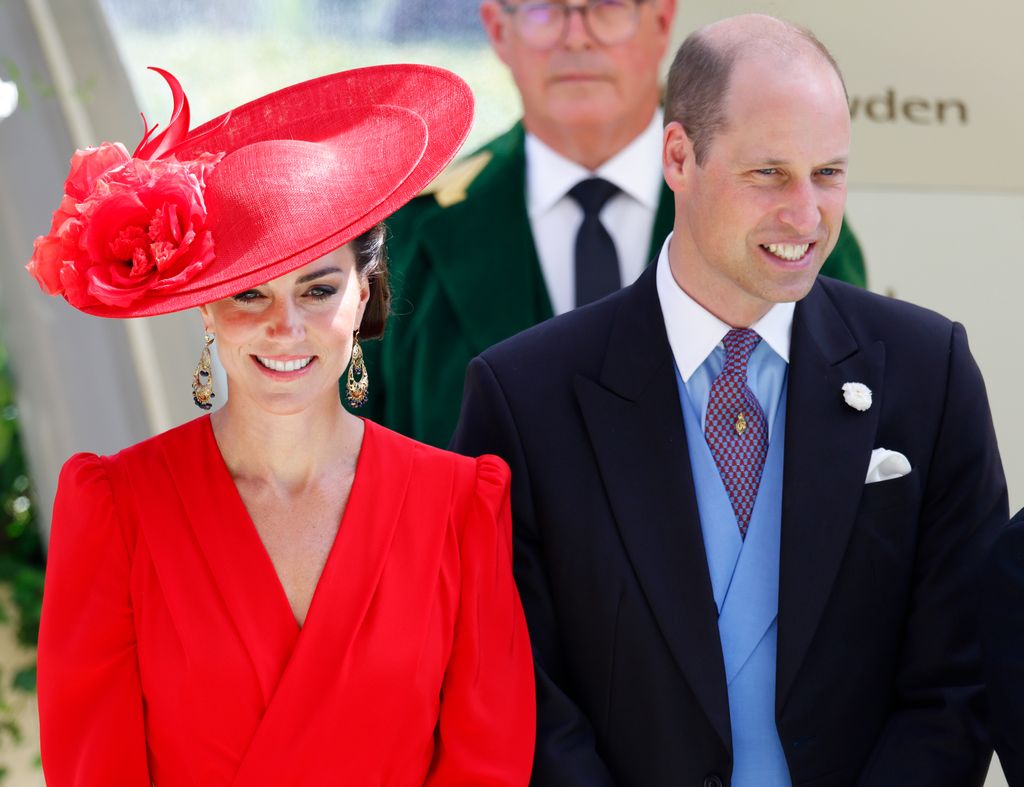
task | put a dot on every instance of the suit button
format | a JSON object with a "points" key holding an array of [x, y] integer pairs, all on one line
{"points": [[712, 781]]}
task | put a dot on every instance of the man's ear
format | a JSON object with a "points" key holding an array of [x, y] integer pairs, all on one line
{"points": [[677, 158], [665, 11], [496, 25]]}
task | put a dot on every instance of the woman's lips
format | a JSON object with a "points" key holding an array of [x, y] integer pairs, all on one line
{"points": [[283, 366]]}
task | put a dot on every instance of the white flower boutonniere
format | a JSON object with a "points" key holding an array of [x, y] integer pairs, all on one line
{"points": [[857, 395], [8, 98]]}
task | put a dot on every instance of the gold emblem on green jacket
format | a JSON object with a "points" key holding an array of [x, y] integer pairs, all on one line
{"points": [[449, 188]]}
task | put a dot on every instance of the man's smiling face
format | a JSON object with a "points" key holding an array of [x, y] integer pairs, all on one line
{"points": [[759, 216]]}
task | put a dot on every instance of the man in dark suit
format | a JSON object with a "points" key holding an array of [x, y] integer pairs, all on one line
{"points": [[1002, 614], [488, 249], [749, 502]]}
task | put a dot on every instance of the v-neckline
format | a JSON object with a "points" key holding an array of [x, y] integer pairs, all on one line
{"points": [[264, 559]]}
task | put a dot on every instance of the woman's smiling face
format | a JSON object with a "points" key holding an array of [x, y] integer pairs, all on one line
{"points": [[284, 344]]}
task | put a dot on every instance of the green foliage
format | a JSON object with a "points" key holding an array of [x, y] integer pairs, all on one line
{"points": [[36, 85], [9, 729], [25, 679], [26, 583], [21, 555]]}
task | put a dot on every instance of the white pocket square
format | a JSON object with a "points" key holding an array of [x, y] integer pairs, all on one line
{"points": [[886, 465]]}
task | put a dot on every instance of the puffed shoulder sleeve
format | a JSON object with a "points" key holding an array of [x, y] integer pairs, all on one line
{"points": [[90, 698], [488, 709]]}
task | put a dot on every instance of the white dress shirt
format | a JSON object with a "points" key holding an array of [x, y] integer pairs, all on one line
{"points": [[695, 336], [628, 216]]}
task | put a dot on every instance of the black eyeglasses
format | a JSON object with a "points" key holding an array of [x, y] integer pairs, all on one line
{"points": [[545, 25]]}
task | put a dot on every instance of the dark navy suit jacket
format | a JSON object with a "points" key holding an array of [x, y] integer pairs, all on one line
{"points": [[1003, 640], [879, 670]]}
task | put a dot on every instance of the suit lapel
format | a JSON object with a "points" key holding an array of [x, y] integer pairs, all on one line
{"points": [[828, 445], [635, 423], [483, 253]]}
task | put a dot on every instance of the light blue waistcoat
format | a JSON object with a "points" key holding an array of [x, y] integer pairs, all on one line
{"points": [[745, 581]]}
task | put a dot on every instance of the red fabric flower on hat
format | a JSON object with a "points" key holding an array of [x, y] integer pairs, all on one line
{"points": [[128, 226]]}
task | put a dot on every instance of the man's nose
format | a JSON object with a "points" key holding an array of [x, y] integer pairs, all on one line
{"points": [[576, 34], [801, 209]]}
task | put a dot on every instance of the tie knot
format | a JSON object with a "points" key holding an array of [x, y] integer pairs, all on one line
{"points": [[592, 194], [739, 344]]}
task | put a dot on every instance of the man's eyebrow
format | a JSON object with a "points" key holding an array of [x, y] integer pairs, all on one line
{"points": [[317, 274], [778, 162], [763, 163]]}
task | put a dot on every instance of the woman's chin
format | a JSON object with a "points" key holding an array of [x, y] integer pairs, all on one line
{"points": [[290, 402]]}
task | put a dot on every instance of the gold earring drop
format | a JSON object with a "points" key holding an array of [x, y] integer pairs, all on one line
{"points": [[202, 380], [357, 385]]}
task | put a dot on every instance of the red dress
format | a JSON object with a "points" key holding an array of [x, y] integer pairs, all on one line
{"points": [[169, 654]]}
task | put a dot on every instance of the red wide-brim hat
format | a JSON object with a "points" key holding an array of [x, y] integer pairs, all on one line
{"points": [[192, 217]]}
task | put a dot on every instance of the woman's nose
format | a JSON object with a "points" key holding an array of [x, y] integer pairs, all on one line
{"points": [[284, 319]]}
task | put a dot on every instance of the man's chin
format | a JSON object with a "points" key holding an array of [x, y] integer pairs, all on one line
{"points": [[795, 289], [777, 286]]}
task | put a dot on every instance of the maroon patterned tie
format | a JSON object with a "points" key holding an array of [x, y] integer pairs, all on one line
{"points": [[735, 426]]}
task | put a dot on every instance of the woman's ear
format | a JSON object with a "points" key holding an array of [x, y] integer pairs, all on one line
{"points": [[204, 313], [364, 298]]}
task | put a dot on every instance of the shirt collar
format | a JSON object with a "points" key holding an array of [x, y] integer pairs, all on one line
{"points": [[550, 175], [694, 332]]}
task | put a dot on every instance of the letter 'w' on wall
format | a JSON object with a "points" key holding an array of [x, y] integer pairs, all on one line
{"points": [[934, 85]]}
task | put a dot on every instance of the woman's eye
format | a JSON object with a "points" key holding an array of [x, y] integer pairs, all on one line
{"points": [[321, 292], [247, 296]]}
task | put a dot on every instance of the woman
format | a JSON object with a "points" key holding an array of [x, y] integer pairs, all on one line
{"points": [[279, 593]]}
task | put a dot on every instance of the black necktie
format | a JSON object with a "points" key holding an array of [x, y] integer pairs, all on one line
{"points": [[597, 263]]}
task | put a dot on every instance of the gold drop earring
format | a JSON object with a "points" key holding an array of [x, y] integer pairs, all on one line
{"points": [[202, 379], [357, 385]]}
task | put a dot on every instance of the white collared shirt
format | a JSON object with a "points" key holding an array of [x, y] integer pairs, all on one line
{"points": [[694, 334], [628, 216]]}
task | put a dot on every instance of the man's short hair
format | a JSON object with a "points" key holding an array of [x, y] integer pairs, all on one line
{"points": [[698, 80]]}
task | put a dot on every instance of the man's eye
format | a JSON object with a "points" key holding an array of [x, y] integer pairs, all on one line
{"points": [[248, 295], [768, 171], [829, 172]]}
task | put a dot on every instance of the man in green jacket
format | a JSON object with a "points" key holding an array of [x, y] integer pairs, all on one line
{"points": [[489, 249]]}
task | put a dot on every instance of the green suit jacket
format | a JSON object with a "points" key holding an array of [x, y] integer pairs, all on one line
{"points": [[465, 275]]}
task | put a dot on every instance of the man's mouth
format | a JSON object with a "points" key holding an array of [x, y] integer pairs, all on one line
{"points": [[790, 252], [580, 76]]}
